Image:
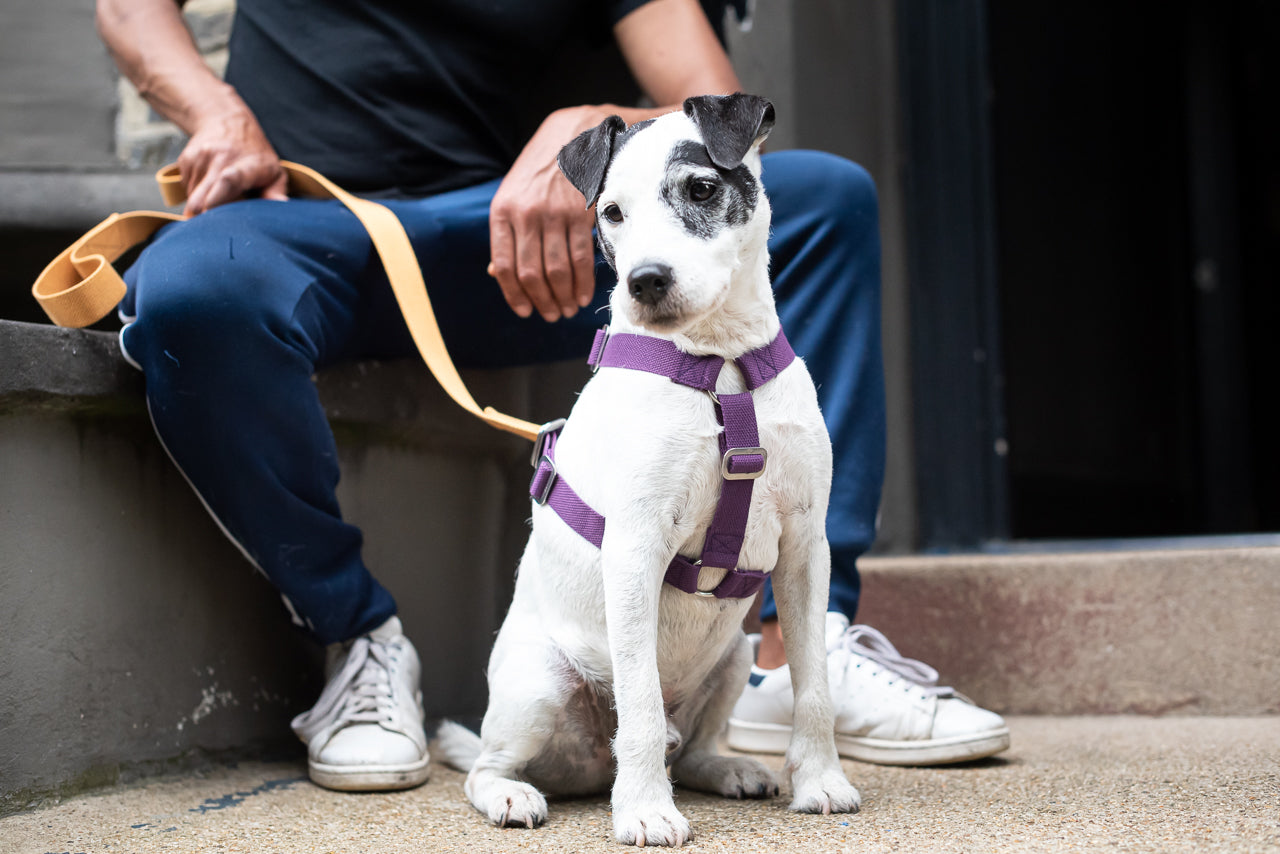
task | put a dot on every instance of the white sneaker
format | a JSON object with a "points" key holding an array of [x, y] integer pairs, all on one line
{"points": [[365, 732], [889, 709]]}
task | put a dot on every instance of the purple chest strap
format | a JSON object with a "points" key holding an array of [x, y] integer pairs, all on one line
{"points": [[742, 458]]}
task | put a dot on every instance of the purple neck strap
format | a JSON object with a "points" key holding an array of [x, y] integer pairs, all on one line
{"points": [[742, 458], [659, 356]]}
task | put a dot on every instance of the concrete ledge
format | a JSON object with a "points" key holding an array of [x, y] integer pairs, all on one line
{"points": [[82, 198], [61, 369], [1192, 632], [47, 366], [136, 636]]}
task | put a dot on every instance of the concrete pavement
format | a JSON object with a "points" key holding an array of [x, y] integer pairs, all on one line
{"points": [[1125, 783]]}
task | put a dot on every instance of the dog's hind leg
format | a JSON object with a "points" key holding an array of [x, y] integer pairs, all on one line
{"points": [[800, 586], [698, 766], [526, 696]]}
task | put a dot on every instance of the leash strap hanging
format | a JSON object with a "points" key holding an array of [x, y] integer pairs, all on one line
{"points": [[80, 286]]}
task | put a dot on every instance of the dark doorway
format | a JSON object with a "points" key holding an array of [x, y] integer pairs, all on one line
{"points": [[1135, 162]]}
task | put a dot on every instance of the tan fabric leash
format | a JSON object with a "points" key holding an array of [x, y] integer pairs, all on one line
{"points": [[80, 286]]}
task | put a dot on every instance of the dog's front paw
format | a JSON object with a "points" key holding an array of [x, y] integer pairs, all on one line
{"points": [[729, 776], [512, 803], [651, 824], [825, 793]]}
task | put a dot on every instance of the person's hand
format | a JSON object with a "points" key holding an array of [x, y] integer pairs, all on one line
{"points": [[227, 158], [539, 227]]}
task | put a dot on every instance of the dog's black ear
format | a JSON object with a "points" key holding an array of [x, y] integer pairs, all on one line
{"points": [[730, 124], [585, 160]]}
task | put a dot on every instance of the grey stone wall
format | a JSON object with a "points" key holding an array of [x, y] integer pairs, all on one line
{"points": [[58, 99], [133, 634]]}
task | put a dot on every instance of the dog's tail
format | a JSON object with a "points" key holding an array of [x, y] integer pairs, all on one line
{"points": [[457, 746]]}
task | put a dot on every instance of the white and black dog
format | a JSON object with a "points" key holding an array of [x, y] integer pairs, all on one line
{"points": [[596, 647]]}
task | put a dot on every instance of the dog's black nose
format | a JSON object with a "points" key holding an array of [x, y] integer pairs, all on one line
{"points": [[649, 283]]}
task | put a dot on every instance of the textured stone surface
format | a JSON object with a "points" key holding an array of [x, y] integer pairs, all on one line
{"points": [[1186, 631], [52, 366], [135, 635], [1125, 784], [58, 95]]}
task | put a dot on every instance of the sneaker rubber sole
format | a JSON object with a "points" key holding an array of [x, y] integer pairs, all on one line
{"points": [[755, 737], [368, 778]]}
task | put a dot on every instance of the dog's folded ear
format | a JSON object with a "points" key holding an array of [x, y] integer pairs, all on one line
{"points": [[585, 159], [730, 124]]}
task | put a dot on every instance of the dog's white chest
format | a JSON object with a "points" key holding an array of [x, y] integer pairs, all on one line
{"points": [[646, 453]]}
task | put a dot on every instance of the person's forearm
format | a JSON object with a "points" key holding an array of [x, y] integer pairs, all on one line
{"points": [[674, 54], [154, 49], [227, 155]]}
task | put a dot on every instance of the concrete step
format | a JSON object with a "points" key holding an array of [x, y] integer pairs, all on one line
{"points": [[1127, 784], [135, 636], [1189, 631]]}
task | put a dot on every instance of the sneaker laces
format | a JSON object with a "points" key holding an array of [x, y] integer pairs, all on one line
{"points": [[869, 643], [359, 693]]}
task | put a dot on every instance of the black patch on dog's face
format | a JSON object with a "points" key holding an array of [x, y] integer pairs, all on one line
{"points": [[732, 203], [606, 245]]}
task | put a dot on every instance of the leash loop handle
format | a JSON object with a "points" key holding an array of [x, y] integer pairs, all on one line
{"points": [[80, 286]]}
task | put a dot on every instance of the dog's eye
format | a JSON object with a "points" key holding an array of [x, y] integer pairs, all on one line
{"points": [[613, 213], [702, 190]]}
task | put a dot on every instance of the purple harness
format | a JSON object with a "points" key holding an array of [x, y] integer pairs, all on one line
{"points": [[742, 458]]}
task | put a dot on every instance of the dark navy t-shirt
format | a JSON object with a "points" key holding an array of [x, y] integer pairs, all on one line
{"points": [[410, 97]]}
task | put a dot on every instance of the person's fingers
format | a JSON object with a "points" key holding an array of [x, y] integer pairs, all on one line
{"points": [[277, 190], [198, 189], [215, 175], [219, 184], [503, 265], [558, 268], [582, 255], [227, 185], [192, 166], [530, 271]]}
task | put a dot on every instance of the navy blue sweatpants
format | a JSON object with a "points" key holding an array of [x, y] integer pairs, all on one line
{"points": [[229, 315]]}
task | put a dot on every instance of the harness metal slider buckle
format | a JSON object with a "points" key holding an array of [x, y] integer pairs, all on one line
{"points": [[597, 348], [540, 494], [729, 455], [540, 443]]}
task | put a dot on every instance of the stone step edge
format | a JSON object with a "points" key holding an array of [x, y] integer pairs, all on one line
{"points": [[1189, 631]]}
